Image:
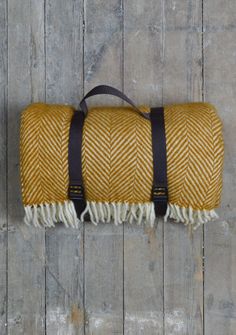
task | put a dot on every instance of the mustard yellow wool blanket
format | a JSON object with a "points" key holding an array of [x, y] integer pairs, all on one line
{"points": [[117, 164]]}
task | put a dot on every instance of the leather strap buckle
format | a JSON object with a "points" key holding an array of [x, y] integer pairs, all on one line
{"points": [[160, 193], [76, 192], [160, 199]]}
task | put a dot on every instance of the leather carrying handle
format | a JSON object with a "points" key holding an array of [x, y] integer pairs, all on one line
{"points": [[160, 184], [105, 89]]}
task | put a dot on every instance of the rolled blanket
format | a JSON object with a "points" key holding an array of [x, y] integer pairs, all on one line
{"points": [[117, 164]]}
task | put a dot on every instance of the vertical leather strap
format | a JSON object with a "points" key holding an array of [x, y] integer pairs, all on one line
{"points": [[160, 186], [76, 189]]}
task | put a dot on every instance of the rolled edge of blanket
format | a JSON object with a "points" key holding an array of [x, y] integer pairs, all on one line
{"points": [[46, 215]]}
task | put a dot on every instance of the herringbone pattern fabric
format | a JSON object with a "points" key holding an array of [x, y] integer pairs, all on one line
{"points": [[44, 153], [117, 155], [194, 155]]}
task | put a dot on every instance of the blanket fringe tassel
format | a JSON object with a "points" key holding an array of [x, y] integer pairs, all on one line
{"points": [[188, 216], [46, 215]]}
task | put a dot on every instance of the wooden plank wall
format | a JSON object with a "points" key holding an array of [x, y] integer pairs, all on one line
{"points": [[103, 280], [3, 167], [220, 243], [25, 247]]}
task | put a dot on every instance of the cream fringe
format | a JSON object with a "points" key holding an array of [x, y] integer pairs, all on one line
{"points": [[188, 216], [46, 215], [119, 213]]}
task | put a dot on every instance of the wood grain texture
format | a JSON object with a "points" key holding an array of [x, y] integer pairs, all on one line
{"points": [[103, 279], [143, 281], [143, 51], [107, 279], [182, 82], [64, 281], [3, 170], [64, 247], [143, 248], [220, 243], [26, 291], [104, 243]]}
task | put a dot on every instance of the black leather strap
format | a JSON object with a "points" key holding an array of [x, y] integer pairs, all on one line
{"points": [[76, 189], [105, 89], [160, 186]]}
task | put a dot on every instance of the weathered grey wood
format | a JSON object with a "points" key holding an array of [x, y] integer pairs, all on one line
{"points": [[64, 281], [25, 245], [104, 279], [143, 248], [183, 280], [104, 243], [64, 247], [109, 279], [143, 280], [26, 286], [143, 51], [182, 82], [64, 51], [3, 189], [220, 242]]}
